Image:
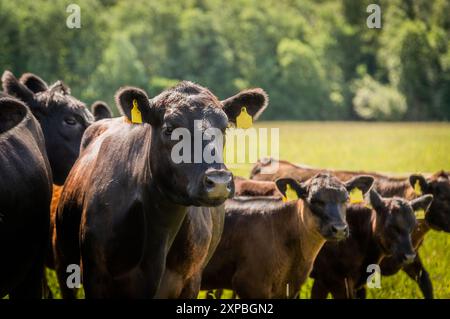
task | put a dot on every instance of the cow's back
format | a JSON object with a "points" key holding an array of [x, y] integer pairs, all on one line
{"points": [[253, 241]]}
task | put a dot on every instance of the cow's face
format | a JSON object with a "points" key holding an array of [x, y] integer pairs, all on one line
{"points": [[327, 197], [63, 118], [395, 223], [438, 185], [187, 122]]}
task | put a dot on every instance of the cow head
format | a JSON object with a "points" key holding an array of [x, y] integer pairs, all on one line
{"points": [[62, 117], [326, 197], [187, 112], [395, 223], [438, 185]]}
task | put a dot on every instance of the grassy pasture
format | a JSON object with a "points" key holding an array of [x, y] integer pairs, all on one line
{"points": [[384, 147]]}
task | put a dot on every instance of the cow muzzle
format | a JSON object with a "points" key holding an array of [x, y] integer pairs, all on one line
{"points": [[336, 231], [218, 184]]}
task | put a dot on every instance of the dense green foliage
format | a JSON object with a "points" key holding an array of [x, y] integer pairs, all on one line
{"points": [[317, 59]]}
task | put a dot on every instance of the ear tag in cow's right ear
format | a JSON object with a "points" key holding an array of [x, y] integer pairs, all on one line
{"points": [[136, 116], [356, 196], [420, 213], [244, 120], [417, 188], [290, 194]]}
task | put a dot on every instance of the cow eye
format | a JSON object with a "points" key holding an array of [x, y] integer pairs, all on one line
{"points": [[168, 130], [70, 121]]}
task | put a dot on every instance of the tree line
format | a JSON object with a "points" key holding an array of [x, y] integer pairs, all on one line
{"points": [[318, 60]]}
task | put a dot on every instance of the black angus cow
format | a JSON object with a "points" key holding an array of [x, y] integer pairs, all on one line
{"points": [[125, 198], [100, 111], [384, 230], [268, 246], [25, 192], [62, 117], [408, 187]]}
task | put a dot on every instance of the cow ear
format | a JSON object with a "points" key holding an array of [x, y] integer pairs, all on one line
{"points": [[376, 200], [134, 104], [422, 202], [283, 185], [361, 182], [33, 82], [101, 110], [13, 87], [254, 100], [418, 183], [12, 112]]}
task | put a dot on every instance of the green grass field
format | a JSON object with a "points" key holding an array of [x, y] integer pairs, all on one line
{"points": [[393, 148]]}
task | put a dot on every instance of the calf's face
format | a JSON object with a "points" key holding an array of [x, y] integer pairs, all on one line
{"points": [[191, 116], [327, 197], [395, 223], [438, 185], [62, 117]]}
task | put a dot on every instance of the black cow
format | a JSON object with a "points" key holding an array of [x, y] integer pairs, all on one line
{"points": [[25, 192], [129, 194], [268, 246], [436, 218], [384, 230], [62, 117]]}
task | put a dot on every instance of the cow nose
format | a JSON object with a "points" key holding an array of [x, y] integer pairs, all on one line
{"points": [[408, 258], [218, 183], [339, 231]]}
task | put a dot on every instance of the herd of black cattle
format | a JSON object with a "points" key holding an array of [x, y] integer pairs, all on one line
{"points": [[104, 193]]}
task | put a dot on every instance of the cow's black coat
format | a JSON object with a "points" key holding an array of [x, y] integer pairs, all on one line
{"points": [[25, 192]]}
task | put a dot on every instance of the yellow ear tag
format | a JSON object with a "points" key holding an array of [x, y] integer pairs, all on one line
{"points": [[244, 120], [136, 116], [290, 194], [420, 214], [356, 196], [417, 188]]}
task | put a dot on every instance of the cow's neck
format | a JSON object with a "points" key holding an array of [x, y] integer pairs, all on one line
{"points": [[375, 251], [421, 229], [166, 213], [311, 241]]}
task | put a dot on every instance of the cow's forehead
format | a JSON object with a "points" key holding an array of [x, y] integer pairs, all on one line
{"points": [[187, 95], [327, 188], [197, 117], [401, 213], [181, 107], [58, 98]]}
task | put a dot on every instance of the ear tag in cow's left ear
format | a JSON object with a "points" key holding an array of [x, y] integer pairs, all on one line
{"points": [[417, 188], [244, 120], [136, 116], [420, 213], [356, 196], [290, 194]]}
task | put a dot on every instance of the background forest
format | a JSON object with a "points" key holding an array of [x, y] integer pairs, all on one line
{"points": [[318, 60]]}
